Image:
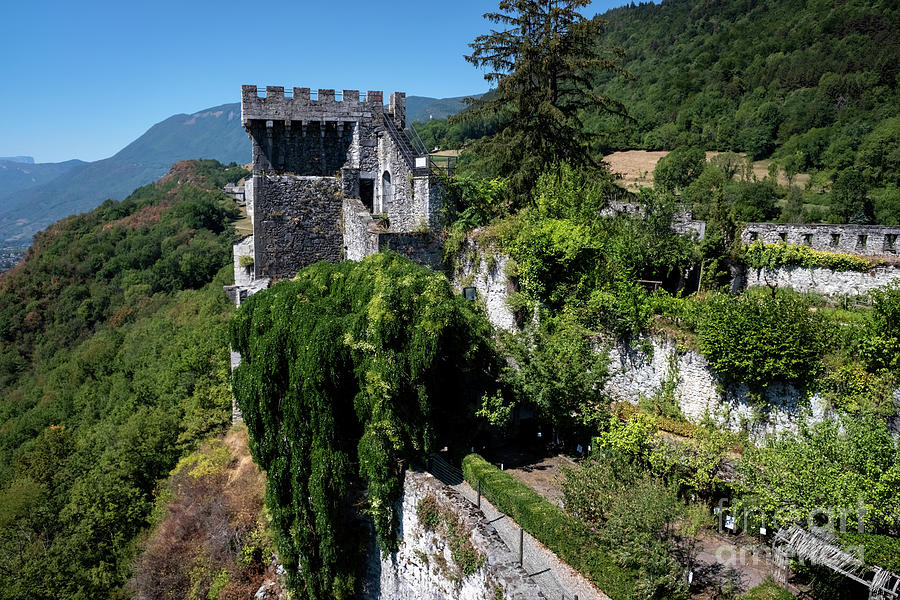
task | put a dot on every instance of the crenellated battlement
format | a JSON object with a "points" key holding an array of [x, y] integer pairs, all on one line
{"points": [[304, 104]]}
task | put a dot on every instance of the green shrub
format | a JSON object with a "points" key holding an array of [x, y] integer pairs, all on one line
{"points": [[759, 255], [760, 339], [878, 550], [428, 513], [570, 539]]}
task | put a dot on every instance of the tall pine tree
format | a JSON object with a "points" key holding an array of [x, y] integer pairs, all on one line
{"points": [[543, 64]]}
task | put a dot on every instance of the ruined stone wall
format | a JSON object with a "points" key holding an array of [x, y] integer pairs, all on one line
{"points": [[423, 568], [634, 372], [243, 276], [297, 222], [823, 281], [864, 240], [248, 197], [485, 270], [425, 248], [359, 241]]}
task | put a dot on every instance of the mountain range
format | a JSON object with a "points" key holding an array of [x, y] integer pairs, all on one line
{"points": [[32, 196]]}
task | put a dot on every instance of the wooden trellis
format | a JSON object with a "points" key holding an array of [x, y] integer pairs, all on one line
{"points": [[796, 542]]}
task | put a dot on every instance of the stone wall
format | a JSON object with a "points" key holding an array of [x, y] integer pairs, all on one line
{"points": [[485, 270], [864, 240], [302, 136], [359, 241], [297, 222], [423, 568], [426, 248], [242, 275], [823, 281], [407, 210], [634, 372]]}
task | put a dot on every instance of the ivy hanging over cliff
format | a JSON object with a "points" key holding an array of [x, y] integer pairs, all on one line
{"points": [[351, 363]]}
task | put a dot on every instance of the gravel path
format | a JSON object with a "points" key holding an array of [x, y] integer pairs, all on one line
{"points": [[556, 579]]}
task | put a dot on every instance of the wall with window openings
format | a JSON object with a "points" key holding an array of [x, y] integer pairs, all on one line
{"points": [[864, 240]]}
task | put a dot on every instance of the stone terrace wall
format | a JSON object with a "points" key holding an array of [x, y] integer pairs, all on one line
{"points": [[823, 281], [297, 222], [635, 373], [864, 240], [423, 568]]}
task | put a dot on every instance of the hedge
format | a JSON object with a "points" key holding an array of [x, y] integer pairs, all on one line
{"points": [[570, 539], [759, 255]]}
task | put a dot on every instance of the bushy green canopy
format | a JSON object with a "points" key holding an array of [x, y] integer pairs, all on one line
{"points": [[350, 362]]}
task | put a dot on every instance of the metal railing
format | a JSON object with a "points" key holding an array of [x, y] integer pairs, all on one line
{"points": [[402, 142], [416, 142]]}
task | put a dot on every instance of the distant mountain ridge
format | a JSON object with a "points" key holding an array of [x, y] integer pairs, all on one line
{"points": [[34, 196], [421, 108], [19, 175], [18, 159]]}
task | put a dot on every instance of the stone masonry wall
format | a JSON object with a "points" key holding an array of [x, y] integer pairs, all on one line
{"points": [[359, 242], [406, 211], [423, 568], [865, 240], [299, 135], [699, 393], [243, 276], [297, 222], [485, 270], [823, 281], [426, 248]]}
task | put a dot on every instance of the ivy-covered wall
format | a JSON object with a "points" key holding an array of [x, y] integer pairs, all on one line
{"points": [[821, 280], [643, 367]]}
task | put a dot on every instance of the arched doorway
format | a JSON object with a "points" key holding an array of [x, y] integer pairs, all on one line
{"points": [[387, 191]]}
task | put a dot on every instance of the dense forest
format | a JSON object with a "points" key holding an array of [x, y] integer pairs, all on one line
{"points": [[114, 365]]}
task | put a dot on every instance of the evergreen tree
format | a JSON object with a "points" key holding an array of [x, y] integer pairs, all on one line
{"points": [[543, 65]]}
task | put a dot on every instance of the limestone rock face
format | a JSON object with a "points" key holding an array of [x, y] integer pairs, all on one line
{"points": [[423, 568]]}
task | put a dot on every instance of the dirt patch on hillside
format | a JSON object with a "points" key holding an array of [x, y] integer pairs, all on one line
{"points": [[145, 217], [636, 168]]}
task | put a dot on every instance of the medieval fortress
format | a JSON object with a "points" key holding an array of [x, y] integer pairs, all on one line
{"points": [[334, 177]]}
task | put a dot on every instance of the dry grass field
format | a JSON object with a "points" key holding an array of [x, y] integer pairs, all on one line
{"points": [[636, 168]]}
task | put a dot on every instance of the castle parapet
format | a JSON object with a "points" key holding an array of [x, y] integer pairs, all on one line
{"points": [[305, 105]]}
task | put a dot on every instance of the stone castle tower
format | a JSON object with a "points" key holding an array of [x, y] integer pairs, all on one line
{"points": [[334, 177]]}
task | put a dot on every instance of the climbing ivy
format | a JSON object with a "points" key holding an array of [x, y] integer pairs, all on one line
{"points": [[351, 363]]}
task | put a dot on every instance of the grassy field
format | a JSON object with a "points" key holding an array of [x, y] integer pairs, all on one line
{"points": [[636, 168]]}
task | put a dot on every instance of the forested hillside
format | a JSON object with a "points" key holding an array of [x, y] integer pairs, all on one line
{"points": [[813, 83], [113, 364]]}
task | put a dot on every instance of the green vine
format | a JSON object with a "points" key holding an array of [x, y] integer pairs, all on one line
{"points": [[759, 255]]}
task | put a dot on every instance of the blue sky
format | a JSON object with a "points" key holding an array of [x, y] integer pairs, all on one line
{"points": [[83, 79]]}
